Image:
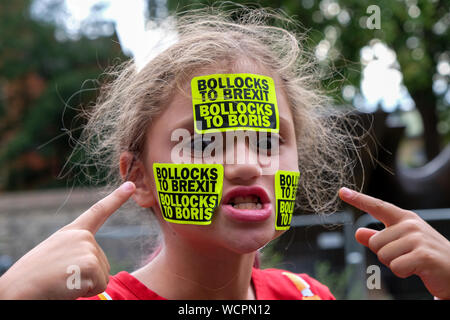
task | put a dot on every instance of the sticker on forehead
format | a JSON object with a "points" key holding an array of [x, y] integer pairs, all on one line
{"points": [[226, 102], [286, 183], [188, 193]]}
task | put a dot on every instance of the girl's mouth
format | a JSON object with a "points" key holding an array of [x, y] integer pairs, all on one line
{"points": [[249, 204]]}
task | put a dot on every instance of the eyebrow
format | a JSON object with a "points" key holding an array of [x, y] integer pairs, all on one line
{"points": [[285, 122], [185, 123]]}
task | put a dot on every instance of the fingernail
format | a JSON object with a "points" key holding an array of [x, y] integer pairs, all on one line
{"points": [[347, 193], [127, 186]]}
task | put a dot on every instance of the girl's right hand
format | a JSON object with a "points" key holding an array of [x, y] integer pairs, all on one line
{"points": [[43, 272]]}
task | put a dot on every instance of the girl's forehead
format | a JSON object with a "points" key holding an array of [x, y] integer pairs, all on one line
{"points": [[179, 111]]}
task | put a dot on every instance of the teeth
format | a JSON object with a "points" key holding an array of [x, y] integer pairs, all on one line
{"points": [[249, 202], [246, 199], [248, 205]]}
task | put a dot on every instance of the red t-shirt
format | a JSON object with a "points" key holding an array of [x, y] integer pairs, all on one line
{"points": [[269, 284]]}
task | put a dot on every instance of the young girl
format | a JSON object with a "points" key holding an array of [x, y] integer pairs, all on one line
{"points": [[132, 128]]}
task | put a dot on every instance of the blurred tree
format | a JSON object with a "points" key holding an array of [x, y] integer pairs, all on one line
{"points": [[43, 84], [417, 30]]}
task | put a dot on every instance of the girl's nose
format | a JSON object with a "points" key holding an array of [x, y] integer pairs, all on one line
{"points": [[245, 173], [241, 158]]}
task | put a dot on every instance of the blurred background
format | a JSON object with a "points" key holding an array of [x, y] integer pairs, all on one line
{"points": [[391, 64]]}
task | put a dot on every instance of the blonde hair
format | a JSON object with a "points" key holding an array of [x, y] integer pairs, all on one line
{"points": [[130, 99]]}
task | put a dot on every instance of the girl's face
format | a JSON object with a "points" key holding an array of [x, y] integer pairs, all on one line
{"points": [[240, 228]]}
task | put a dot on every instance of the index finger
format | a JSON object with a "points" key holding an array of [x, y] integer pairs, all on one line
{"points": [[96, 216], [381, 210]]}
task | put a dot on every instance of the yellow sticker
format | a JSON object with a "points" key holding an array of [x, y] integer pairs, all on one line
{"points": [[242, 101], [286, 184], [188, 193]]}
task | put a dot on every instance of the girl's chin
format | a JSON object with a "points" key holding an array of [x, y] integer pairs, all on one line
{"points": [[249, 242], [245, 236]]}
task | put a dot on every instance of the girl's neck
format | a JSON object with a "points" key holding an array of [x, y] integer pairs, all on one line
{"points": [[181, 273]]}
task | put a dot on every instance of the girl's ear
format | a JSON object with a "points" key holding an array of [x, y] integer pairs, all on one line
{"points": [[132, 169]]}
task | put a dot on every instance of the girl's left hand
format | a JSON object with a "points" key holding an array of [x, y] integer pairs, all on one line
{"points": [[408, 245]]}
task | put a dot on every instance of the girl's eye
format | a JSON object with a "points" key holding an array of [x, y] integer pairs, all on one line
{"points": [[265, 144], [269, 142], [199, 144]]}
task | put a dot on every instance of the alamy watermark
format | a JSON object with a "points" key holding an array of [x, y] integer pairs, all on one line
{"points": [[374, 20], [374, 277], [73, 281]]}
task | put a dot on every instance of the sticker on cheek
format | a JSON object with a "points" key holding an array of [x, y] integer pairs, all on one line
{"points": [[286, 184], [188, 193], [227, 102]]}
